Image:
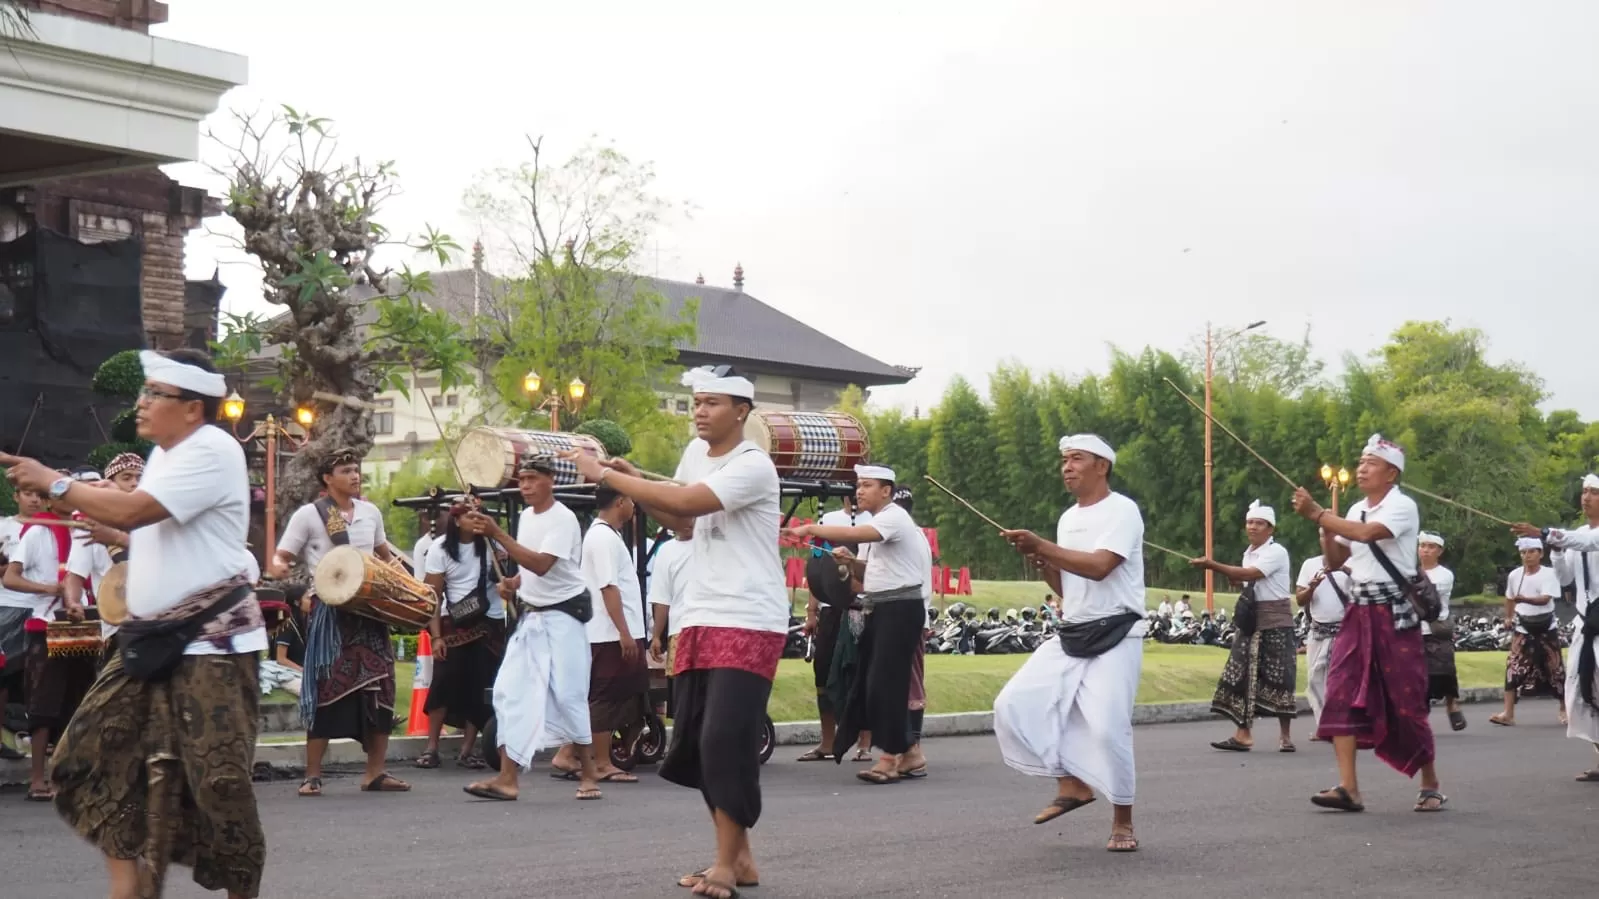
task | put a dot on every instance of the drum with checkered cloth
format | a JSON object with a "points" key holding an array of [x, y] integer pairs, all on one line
{"points": [[810, 446], [487, 457]]}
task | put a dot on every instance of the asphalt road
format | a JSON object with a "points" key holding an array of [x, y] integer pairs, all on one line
{"points": [[1224, 824]]}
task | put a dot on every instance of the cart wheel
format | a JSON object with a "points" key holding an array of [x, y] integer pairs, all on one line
{"points": [[623, 756], [488, 739], [651, 746], [768, 739]]}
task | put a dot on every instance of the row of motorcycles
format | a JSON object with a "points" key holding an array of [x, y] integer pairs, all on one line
{"points": [[962, 630]]}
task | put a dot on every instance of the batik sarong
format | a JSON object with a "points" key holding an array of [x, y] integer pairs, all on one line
{"points": [[1535, 666], [1259, 678]]}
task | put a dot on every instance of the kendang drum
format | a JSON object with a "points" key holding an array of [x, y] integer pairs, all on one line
{"points": [[352, 581], [73, 638], [487, 457], [111, 595], [810, 446]]}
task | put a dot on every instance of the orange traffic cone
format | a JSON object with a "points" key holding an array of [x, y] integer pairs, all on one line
{"points": [[417, 725]]}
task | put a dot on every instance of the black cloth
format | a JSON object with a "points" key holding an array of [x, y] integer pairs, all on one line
{"points": [[1442, 682], [716, 738], [56, 686], [880, 691], [357, 716], [463, 678], [825, 641]]}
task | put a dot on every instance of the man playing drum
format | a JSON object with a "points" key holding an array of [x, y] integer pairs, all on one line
{"points": [[348, 686]]}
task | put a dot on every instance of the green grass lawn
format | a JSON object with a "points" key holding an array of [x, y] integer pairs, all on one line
{"points": [[970, 683]]}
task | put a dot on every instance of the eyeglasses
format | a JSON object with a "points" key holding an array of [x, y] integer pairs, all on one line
{"points": [[150, 393]]}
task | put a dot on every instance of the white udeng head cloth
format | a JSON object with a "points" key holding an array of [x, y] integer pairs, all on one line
{"points": [[702, 380], [875, 473], [1590, 481], [1263, 513], [1525, 543], [163, 370], [1386, 450], [1088, 443], [1428, 537]]}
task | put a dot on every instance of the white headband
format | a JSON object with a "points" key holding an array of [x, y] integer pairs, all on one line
{"points": [[700, 380], [1264, 513], [1088, 443], [1430, 537], [1386, 450], [1526, 543], [1590, 481], [875, 473], [164, 370]]}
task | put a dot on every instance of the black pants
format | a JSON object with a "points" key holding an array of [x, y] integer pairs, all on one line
{"points": [[828, 620], [716, 739], [879, 699]]}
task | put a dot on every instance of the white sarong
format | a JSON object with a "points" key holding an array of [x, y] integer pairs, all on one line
{"points": [[541, 695], [1065, 717], [1317, 656], [1582, 722]]}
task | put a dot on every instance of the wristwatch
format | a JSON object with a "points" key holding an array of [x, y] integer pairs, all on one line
{"points": [[60, 487]]}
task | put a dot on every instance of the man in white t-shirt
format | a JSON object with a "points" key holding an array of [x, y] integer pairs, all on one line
{"points": [[1576, 558], [187, 524], [668, 581], [619, 676], [1439, 637], [1069, 715], [1379, 664], [15, 611], [1534, 666], [895, 560], [347, 683], [1321, 593], [734, 615], [541, 694], [1263, 665]]}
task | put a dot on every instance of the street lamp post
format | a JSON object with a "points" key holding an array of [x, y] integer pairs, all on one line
{"points": [[1335, 480], [1210, 529], [553, 404], [268, 429]]}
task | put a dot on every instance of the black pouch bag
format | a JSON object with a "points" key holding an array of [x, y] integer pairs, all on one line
{"points": [[1087, 639], [152, 650], [1244, 611]]}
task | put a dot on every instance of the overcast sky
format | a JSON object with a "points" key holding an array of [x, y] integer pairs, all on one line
{"points": [[1010, 180]]}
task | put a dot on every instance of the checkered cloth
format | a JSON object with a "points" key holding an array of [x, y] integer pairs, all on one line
{"points": [[820, 449], [1386, 593]]}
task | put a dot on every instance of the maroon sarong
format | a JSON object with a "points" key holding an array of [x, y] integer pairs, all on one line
{"points": [[1377, 689]]}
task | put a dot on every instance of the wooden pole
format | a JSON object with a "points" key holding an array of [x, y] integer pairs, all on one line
{"points": [[271, 489], [1210, 528]]}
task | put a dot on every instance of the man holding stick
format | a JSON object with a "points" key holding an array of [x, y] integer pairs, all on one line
{"points": [[1068, 713], [1576, 560], [1377, 676]]}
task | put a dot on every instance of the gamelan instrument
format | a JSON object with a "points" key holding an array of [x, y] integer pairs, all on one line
{"points": [[487, 457], [819, 446], [111, 595], [352, 581], [73, 638]]}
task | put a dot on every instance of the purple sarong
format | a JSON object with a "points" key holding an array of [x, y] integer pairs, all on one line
{"points": [[1377, 689]]}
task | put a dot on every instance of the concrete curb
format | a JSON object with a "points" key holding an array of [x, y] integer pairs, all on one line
{"points": [[290, 756]]}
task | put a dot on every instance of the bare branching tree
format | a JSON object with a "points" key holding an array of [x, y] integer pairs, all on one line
{"points": [[309, 219]]}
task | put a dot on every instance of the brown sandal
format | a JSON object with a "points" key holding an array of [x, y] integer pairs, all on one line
{"points": [[1122, 842], [1060, 806], [311, 786], [386, 783]]}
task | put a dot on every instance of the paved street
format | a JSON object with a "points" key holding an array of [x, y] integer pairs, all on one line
{"points": [[1213, 822]]}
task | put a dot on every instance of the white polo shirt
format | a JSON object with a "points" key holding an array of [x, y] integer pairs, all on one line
{"points": [[1271, 559], [1403, 519]]}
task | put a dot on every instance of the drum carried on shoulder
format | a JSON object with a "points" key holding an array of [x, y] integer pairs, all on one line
{"points": [[811, 446], [352, 581], [487, 457]]}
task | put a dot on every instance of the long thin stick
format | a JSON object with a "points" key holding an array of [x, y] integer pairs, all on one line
{"points": [[448, 450], [1152, 544], [956, 497], [1229, 432], [1444, 499], [52, 523]]}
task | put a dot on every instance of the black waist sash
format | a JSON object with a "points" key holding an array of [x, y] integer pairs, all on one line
{"points": [[1585, 641], [580, 607], [1087, 639]]}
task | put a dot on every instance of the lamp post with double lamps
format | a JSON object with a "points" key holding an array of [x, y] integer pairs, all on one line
{"points": [[269, 429], [553, 403], [1335, 481]]}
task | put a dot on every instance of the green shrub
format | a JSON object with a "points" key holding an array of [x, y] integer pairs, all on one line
{"points": [[120, 376], [609, 434], [125, 427]]}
